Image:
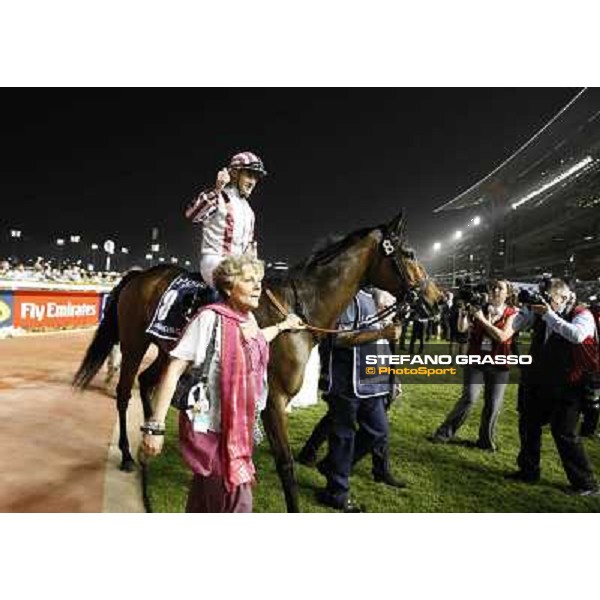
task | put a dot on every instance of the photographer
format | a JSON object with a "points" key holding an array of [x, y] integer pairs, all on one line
{"points": [[490, 334], [554, 389]]}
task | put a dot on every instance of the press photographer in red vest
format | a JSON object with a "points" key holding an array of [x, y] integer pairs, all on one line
{"points": [[490, 334], [555, 387]]}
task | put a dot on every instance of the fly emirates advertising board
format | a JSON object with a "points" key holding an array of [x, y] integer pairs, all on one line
{"points": [[55, 309]]}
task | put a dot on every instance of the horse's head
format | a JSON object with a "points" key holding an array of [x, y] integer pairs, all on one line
{"points": [[397, 270]]}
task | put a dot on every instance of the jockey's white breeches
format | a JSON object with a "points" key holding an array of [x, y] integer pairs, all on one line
{"points": [[208, 263]]}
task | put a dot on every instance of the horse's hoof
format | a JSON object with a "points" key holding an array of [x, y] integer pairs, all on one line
{"points": [[127, 465]]}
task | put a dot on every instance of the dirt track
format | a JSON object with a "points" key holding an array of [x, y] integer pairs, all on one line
{"points": [[54, 442]]}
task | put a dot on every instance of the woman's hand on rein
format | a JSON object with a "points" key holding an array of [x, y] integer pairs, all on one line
{"points": [[292, 323]]}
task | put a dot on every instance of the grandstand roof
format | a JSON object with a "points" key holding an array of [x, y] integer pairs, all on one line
{"points": [[566, 149]]}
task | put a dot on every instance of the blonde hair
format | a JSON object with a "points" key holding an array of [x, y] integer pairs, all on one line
{"points": [[231, 268]]}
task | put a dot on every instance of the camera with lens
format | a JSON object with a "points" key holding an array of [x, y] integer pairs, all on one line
{"points": [[533, 297], [540, 296], [473, 296]]}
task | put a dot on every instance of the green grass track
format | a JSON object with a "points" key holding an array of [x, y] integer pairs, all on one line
{"points": [[442, 478]]}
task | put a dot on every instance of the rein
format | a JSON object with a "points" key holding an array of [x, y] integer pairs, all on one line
{"points": [[376, 318]]}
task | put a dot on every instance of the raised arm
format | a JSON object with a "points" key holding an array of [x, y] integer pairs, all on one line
{"points": [[576, 331], [208, 200]]}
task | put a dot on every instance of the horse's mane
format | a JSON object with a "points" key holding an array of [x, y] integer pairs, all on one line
{"points": [[283, 282], [325, 255]]}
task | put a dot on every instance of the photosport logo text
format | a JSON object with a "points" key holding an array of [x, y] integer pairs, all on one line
{"points": [[379, 367]]}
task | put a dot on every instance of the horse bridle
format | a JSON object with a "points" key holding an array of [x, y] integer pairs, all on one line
{"points": [[390, 244]]}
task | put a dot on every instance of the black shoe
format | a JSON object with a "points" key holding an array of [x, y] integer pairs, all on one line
{"points": [[523, 477], [388, 479], [324, 497], [593, 492]]}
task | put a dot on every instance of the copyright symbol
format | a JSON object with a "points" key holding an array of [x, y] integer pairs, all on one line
{"points": [[370, 370]]}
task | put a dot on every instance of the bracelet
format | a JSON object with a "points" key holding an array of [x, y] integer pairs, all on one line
{"points": [[151, 431], [153, 428]]}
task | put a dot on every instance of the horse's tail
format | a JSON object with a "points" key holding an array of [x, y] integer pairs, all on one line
{"points": [[107, 335]]}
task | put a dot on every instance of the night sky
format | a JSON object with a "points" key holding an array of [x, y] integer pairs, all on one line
{"points": [[115, 163]]}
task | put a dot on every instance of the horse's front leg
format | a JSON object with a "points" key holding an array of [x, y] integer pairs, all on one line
{"points": [[275, 422]]}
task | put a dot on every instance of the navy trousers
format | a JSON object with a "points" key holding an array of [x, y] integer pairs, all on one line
{"points": [[561, 407], [357, 427]]}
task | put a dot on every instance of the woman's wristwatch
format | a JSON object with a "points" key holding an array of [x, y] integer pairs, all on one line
{"points": [[153, 428]]}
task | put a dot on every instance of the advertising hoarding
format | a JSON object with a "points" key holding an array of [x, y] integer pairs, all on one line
{"points": [[6, 309], [46, 309]]}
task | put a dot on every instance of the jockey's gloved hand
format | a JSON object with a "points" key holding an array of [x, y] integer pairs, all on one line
{"points": [[223, 178]]}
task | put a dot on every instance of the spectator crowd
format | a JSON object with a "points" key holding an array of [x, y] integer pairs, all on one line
{"points": [[46, 272]]}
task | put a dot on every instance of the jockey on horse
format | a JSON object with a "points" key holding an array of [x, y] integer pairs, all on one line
{"points": [[225, 214]]}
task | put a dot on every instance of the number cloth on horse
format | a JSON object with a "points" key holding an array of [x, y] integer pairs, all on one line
{"points": [[178, 304]]}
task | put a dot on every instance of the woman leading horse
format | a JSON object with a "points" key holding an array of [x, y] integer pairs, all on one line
{"points": [[317, 290]]}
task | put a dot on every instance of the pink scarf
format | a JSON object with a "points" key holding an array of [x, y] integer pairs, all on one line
{"points": [[243, 365]]}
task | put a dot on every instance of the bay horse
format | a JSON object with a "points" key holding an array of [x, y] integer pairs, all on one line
{"points": [[317, 289]]}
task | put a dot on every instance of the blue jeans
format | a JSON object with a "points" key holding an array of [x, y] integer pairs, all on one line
{"points": [[493, 382]]}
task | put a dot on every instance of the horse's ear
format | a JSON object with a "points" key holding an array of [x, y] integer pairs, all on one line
{"points": [[398, 225]]}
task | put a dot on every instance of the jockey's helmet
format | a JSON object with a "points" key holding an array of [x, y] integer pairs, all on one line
{"points": [[248, 161]]}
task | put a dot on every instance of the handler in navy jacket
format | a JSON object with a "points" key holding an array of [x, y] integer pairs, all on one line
{"points": [[354, 402]]}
